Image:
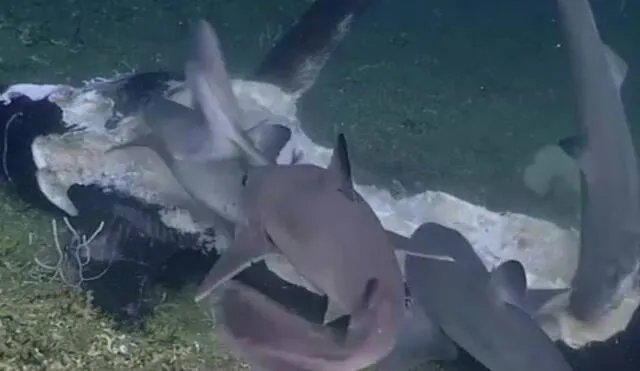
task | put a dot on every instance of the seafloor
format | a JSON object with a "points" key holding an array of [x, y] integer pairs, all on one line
{"points": [[455, 95]]}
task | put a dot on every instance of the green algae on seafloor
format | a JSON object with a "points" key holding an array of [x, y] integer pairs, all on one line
{"points": [[45, 324]]}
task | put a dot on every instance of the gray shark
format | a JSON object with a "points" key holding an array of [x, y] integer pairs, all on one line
{"points": [[481, 312], [214, 131], [420, 338], [205, 148], [178, 134], [431, 239], [610, 217], [214, 186], [270, 337], [330, 235]]}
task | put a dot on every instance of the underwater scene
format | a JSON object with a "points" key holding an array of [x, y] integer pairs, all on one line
{"points": [[383, 185]]}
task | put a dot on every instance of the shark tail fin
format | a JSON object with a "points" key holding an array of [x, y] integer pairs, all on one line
{"points": [[207, 77]]}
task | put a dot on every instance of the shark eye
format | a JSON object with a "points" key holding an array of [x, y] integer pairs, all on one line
{"points": [[245, 177]]}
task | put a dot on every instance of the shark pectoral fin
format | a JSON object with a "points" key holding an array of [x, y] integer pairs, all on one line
{"points": [[617, 65], [339, 170], [270, 139], [418, 341], [509, 282], [546, 300], [249, 246]]}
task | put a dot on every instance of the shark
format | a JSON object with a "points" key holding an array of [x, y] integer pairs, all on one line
{"points": [[433, 240], [604, 151], [315, 218], [485, 313], [178, 136], [420, 339], [205, 148]]}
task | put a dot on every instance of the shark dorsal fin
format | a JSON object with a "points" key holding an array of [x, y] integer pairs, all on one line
{"points": [[509, 281], [339, 169]]}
